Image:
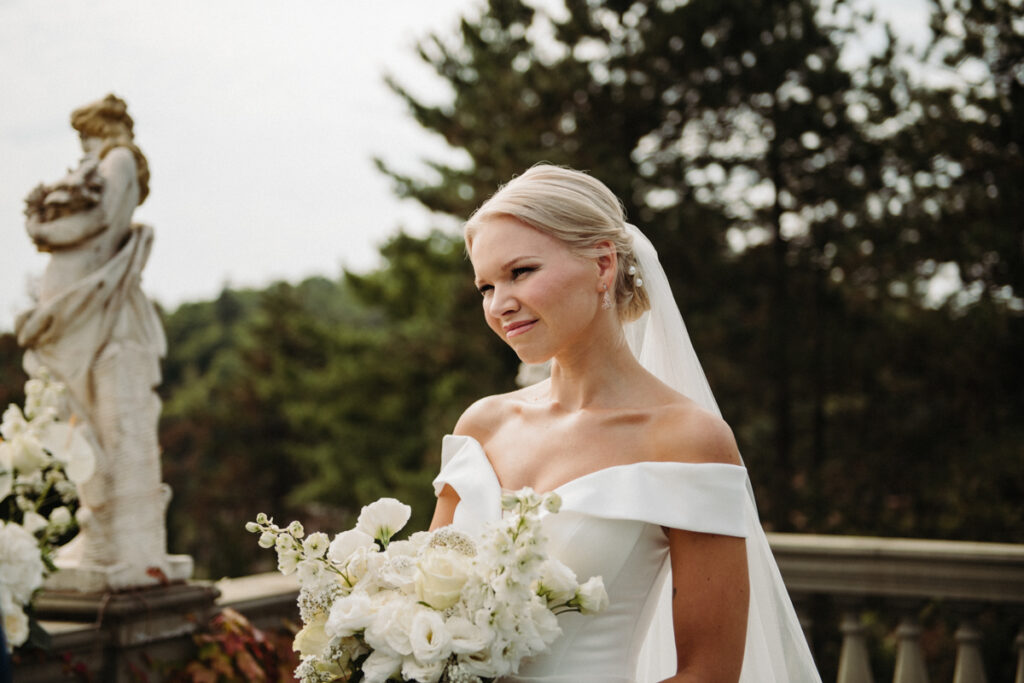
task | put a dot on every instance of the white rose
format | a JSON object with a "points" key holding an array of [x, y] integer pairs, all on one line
{"points": [[414, 670], [380, 666], [363, 566], [468, 637], [420, 539], [15, 625], [430, 640], [312, 639], [557, 582], [398, 573], [391, 625], [545, 623], [441, 576], [21, 566], [348, 615], [592, 596], [383, 519], [346, 543]]}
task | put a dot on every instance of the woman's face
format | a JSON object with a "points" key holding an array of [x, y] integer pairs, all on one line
{"points": [[538, 296]]}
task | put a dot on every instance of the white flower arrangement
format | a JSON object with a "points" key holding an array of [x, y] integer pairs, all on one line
{"points": [[41, 460], [438, 606]]}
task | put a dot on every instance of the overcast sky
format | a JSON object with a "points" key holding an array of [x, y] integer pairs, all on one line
{"points": [[259, 118]]}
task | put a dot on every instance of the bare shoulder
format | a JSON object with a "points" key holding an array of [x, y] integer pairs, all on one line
{"points": [[684, 432], [483, 418]]}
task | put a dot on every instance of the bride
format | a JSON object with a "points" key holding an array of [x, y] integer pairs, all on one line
{"points": [[655, 498]]}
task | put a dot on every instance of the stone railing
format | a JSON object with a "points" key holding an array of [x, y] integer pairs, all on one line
{"points": [[897, 579], [837, 583]]}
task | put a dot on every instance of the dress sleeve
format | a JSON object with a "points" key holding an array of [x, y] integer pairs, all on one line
{"points": [[704, 497], [465, 467]]}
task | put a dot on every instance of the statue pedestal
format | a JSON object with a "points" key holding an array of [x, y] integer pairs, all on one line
{"points": [[128, 631], [74, 577]]}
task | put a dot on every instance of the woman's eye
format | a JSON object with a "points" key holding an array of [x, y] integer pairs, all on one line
{"points": [[484, 289], [522, 270]]}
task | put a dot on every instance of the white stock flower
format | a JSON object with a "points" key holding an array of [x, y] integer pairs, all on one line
{"points": [[21, 566], [552, 502], [346, 543], [557, 582], [309, 571], [383, 518], [288, 561], [422, 672], [469, 637], [69, 446], [316, 544], [592, 596], [430, 640], [441, 576], [380, 666], [349, 614]]}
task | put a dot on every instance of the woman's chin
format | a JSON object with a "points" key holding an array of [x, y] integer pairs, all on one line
{"points": [[532, 356]]}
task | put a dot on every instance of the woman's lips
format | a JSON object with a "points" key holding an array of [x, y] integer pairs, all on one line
{"points": [[516, 329]]}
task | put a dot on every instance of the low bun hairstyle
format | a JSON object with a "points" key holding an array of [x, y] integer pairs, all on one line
{"points": [[578, 210]]}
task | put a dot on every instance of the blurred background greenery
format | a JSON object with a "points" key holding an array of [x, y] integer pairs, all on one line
{"points": [[845, 239]]}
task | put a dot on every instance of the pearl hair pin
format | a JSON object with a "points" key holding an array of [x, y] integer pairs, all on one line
{"points": [[638, 280]]}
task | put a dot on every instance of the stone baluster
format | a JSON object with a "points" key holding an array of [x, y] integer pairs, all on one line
{"points": [[909, 657], [1019, 645], [854, 665], [969, 666]]}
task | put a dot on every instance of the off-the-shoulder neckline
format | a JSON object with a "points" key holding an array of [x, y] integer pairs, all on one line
{"points": [[655, 464]]}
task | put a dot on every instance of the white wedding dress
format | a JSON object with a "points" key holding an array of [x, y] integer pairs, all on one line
{"points": [[610, 525]]}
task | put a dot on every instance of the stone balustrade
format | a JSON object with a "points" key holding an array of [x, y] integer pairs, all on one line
{"points": [[899, 578], [836, 583]]}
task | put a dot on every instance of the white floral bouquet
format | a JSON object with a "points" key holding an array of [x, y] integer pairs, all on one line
{"points": [[440, 606], [41, 460]]}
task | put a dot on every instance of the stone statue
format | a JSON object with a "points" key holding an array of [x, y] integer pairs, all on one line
{"points": [[95, 330]]}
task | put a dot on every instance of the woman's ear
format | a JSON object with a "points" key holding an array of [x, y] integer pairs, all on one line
{"points": [[607, 261]]}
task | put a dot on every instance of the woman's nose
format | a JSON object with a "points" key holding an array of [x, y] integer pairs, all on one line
{"points": [[502, 302]]}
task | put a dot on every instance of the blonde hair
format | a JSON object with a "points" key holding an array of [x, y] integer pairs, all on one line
{"points": [[108, 120], [576, 209]]}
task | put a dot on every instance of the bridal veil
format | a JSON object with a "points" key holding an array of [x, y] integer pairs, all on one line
{"points": [[776, 649]]}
